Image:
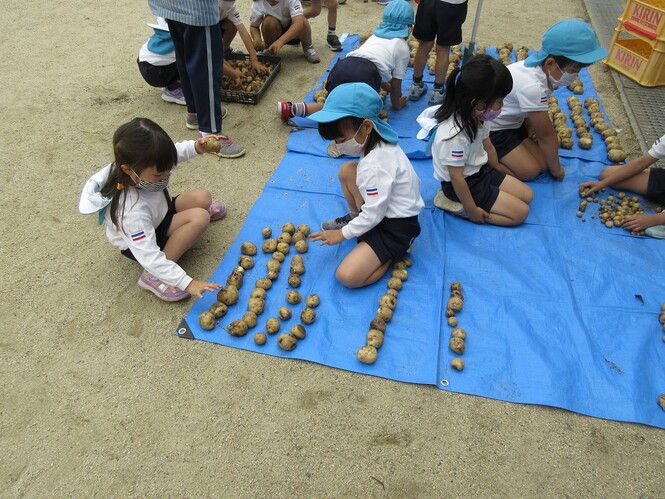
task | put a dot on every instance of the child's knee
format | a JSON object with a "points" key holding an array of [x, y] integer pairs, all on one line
{"points": [[346, 277], [347, 171], [527, 194], [521, 213], [203, 198], [200, 216]]}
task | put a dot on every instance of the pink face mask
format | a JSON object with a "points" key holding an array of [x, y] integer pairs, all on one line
{"points": [[487, 114]]}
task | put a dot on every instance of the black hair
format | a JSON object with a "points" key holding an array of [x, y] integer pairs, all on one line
{"points": [[139, 144], [481, 80], [563, 61], [336, 129]]}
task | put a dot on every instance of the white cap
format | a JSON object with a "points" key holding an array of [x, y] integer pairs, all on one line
{"points": [[161, 24]]}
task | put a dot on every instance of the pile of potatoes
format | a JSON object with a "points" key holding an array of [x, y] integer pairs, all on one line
{"points": [[559, 121], [577, 87], [458, 335], [582, 130], [613, 146], [367, 354], [226, 297], [251, 81], [613, 211], [504, 51]]}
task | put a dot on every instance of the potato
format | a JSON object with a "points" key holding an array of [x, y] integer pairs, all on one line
{"points": [[284, 313], [400, 274], [297, 268], [456, 293], [375, 338], [399, 265], [307, 316], [211, 144], [379, 324], [616, 155], [272, 325], [279, 256], [248, 248], [297, 259], [283, 248], [228, 295], [367, 354], [585, 143], [236, 277], [392, 292], [289, 227], [408, 261], [293, 297], [458, 333], [207, 320], [269, 246], [452, 321], [303, 229], [294, 280], [246, 262], [258, 293], [661, 318], [218, 309], [284, 237], [601, 127], [260, 338], [457, 363], [298, 331], [609, 132], [237, 328], [578, 89], [450, 313], [457, 345], [394, 283], [313, 301], [266, 232], [264, 283], [455, 304], [250, 319], [298, 236], [256, 305], [302, 246], [385, 313], [287, 342], [661, 401], [388, 301], [567, 143], [455, 286]]}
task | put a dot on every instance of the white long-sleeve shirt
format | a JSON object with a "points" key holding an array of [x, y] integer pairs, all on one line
{"points": [[141, 214], [389, 186]]}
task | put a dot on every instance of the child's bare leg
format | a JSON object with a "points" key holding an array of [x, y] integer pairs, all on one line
{"points": [[313, 10], [637, 183], [347, 177], [517, 188], [198, 198], [186, 228], [229, 32], [508, 210], [526, 161], [420, 59], [306, 34], [361, 267], [332, 13], [441, 66], [271, 30]]}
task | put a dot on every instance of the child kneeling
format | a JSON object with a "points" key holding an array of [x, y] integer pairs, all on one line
{"points": [[464, 158], [382, 189], [142, 220]]}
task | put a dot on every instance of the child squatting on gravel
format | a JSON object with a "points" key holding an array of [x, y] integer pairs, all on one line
{"points": [[382, 190], [637, 177], [465, 162], [142, 219]]}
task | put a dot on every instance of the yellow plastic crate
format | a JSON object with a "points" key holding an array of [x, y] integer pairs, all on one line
{"points": [[638, 60], [646, 18]]}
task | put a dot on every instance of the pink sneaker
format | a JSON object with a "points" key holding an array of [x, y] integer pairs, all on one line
{"points": [[161, 290], [217, 210]]}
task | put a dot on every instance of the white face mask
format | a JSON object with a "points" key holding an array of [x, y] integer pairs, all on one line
{"points": [[565, 80], [352, 147]]}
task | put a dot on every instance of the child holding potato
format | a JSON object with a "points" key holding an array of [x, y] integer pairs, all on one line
{"points": [[381, 62], [382, 189], [523, 136], [463, 156], [637, 177], [231, 24], [142, 219]]}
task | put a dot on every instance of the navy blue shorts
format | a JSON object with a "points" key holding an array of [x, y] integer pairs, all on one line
{"points": [[656, 186], [441, 20], [505, 141], [484, 187], [392, 237], [158, 76], [354, 70]]}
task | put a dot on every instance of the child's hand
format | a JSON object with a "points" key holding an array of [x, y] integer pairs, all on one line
{"points": [[196, 288], [640, 222], [590, 187], [329, 237], [259, 68], [478, 215], [259, 45], [275, 48], [558, 174]]}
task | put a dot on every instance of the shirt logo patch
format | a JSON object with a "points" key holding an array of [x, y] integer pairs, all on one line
{"points": [[372, 191], [138, 236], [457, 154], [657, 142], [543, 99]]}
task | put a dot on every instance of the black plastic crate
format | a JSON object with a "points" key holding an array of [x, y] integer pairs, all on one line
{"points": [[243, 97]]}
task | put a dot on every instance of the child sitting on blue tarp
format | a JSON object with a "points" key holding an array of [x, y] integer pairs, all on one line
{"points": [[382, 189], [637, 177]]}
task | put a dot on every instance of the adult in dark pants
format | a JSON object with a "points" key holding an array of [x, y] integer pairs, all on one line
{"points": [[194, 28]]}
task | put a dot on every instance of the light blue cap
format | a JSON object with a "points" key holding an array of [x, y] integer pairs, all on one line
{"points": [[397, 17], [571, 38], [359, 100]]}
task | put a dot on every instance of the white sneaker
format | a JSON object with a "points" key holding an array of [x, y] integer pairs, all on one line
{"points": [[311, 54], [444, 203], [176, 96]]}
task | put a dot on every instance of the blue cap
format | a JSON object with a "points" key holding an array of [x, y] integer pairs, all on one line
{"points": [[359, 100], [397, 17], [161, 42], [571, 38]]}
